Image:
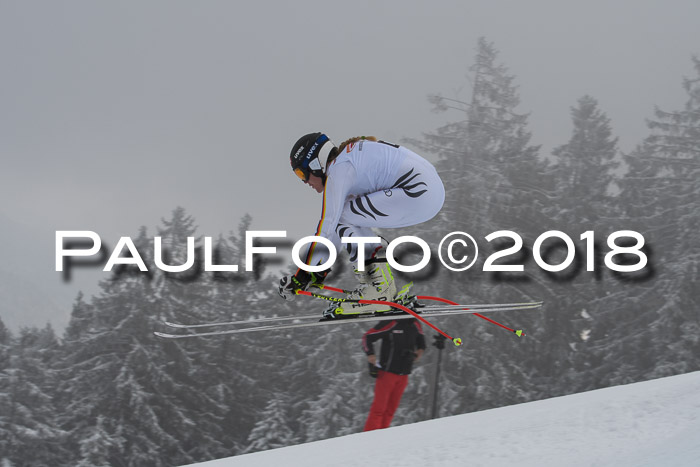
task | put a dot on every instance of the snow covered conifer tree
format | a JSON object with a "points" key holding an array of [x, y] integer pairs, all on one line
{"points": [[272, 429], [27, 411], [95, 449], [494, 180], [6, 389], [585, 168], [230, 369], [660, 194], [675, 142], [115, 367], [5, 345]]}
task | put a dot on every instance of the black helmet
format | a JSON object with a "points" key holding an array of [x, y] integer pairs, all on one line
{"points": [[310, 154]]}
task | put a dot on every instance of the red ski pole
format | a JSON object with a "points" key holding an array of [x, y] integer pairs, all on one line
{"points": [[517, 332], [456, 340]]}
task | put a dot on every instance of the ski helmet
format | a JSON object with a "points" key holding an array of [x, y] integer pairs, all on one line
{"points": [[310, 154]]}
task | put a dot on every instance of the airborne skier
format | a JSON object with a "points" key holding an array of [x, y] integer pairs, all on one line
{"points": [[365, 183]]}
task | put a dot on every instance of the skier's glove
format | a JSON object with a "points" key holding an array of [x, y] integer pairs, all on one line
{"points": [[288, 287], [373, 370], [299, 281]]}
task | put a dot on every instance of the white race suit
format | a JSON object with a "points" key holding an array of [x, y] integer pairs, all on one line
{"points": [[374, 184]]}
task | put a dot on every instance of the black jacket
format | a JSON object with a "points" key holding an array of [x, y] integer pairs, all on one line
{"points": [[400, 339]]}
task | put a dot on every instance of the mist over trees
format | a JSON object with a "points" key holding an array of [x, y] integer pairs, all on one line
{"points": [[108, 392]]}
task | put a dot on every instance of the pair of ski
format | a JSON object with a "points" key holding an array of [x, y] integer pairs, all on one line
{"points": [[294, 322]]}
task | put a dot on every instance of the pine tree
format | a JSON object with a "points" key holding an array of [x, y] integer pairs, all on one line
{"points": [[657, 326], [116, 368], [585, 173], [675, 143], [231, 369], [95, 449], [82, 317], [272, 429], [28, 424], [7, 388], [494, 180], [5, 345], [585, 168]]}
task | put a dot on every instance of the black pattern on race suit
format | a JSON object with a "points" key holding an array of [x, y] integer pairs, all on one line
{"points": [[403, 183]]}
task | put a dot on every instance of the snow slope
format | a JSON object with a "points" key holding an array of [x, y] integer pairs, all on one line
{"points": [[654, 423]]}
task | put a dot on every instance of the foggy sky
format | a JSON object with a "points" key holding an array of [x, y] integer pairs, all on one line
{"points": [[112, 114]]}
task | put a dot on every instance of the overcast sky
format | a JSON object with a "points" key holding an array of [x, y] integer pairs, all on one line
{"points": [[114, 113]]}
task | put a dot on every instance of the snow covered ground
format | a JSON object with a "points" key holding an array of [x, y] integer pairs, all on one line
{"points": [[655, 423]]}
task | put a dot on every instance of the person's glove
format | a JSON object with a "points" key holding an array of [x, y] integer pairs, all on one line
{"points": [[288, 286], [299, 281], [373, 370]]}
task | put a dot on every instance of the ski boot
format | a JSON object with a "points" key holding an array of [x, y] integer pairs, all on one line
{"points": [[405, 298], [376, 283], [334, 309]]}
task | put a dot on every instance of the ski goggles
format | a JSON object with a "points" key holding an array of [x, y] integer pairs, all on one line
{"points": [[301, 174]]}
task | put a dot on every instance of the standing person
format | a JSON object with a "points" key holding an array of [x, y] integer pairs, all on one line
{"points": [[403, 343], [366, 184]]}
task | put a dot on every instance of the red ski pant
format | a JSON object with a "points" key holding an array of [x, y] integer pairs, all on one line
{"points": [[387, 395]]}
